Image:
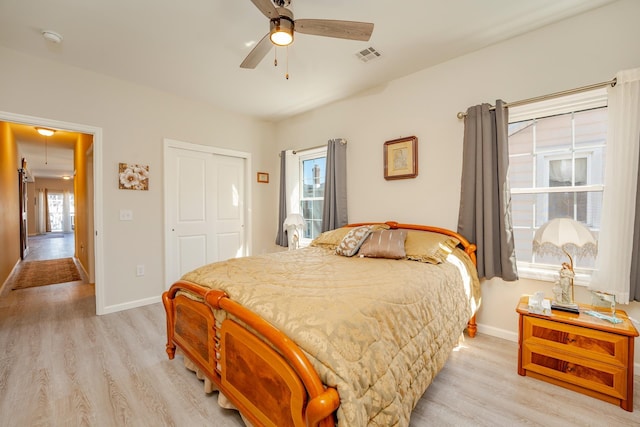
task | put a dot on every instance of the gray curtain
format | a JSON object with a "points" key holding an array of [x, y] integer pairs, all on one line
{"points": [[634, 285], [485, 200], [281, 238], [334, 213]]}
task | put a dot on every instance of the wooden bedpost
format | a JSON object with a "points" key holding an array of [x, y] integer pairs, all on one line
{"points": [[167, 300], [472, 328]]}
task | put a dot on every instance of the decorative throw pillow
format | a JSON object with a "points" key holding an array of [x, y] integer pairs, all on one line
{"points": [[429, 246], [332, 238], [352, 241], [384, 244]]}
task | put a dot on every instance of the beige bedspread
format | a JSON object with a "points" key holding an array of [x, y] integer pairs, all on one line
{"points": [[379, 330]]}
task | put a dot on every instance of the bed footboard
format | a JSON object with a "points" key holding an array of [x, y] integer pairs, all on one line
{"points": [[261, 371]]}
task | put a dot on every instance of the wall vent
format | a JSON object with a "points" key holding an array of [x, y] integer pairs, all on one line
{"points": [[368, 54]]}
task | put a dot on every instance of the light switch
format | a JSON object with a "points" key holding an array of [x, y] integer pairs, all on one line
{"points": [[126, 215]]}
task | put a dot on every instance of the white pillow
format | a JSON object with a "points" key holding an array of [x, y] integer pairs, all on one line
{"points": [[351, 242]]}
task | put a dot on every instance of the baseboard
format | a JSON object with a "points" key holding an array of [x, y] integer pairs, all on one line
{"points": [[131, 304], [83, 273], [4, 286], [497, 332], [513, 336]]}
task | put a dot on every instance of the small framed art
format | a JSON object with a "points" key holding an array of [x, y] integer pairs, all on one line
{"points": [[133, 176], [263, 177], [401, 158]]}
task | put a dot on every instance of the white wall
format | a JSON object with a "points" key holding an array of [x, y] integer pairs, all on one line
{"points": [[586, 49], [134, 121]]}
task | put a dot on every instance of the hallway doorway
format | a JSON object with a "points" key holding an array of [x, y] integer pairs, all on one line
{"points": [[53, 245]]}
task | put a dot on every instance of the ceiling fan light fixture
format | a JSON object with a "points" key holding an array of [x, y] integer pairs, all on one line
{"points": [[281, 33], [45, 131]]}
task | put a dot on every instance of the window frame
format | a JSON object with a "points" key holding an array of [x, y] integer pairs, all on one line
{"points": [[539, 110]]}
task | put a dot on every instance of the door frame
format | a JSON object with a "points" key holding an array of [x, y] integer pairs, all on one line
{"points": [[97, 186], [173, 143]]}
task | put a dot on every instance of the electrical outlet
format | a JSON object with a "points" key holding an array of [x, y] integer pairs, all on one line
{"points": [[140, 270]]}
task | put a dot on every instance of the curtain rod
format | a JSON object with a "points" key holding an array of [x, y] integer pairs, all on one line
{"points": [[309, 148], [342, 141], [611, 83]]}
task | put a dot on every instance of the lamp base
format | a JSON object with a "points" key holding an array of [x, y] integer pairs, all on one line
{"points": [[571, 308]]}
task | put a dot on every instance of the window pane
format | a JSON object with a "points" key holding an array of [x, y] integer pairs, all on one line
{"points": [[522, 210], [585, 205], [568, 205], [313, 177], [312, 213], [521, 137], [524, 244], [553, 133], [592, 166], [521, 171], [591, 127]]}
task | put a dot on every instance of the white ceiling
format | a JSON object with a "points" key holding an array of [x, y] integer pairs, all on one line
{"points": [[194, 48]]}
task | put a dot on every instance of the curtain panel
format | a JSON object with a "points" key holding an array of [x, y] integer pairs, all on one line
{"points": [[47, 217], [281, 237], [617, 247], [484, 217], [334, 212]]}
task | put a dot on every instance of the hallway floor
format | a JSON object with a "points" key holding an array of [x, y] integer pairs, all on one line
{"points": [[50, 246]]}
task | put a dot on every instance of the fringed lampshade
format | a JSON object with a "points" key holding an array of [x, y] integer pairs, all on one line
{"points": [[565, 236], [294, 224]]}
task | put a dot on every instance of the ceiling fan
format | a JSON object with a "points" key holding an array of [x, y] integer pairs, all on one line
{"points": [[282, 26]]}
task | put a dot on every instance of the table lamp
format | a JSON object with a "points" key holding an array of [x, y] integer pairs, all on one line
{"points": [[564, 236], [294, 224]]}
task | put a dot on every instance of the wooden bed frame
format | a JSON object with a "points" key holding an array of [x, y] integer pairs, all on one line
{"points": [[258, 368]]}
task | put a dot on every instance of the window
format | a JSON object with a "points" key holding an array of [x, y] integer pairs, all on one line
{"points": [[312, 165], [556, 169]]}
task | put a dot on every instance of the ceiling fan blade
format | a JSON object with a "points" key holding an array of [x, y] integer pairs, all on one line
{"points": [[267, 8], [257, 53], [351, 30]]}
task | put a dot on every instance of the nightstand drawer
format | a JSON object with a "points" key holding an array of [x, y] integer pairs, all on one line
{"points": [[585, 342], [568, 367]]}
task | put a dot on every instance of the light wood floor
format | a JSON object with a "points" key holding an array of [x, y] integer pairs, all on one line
{"points": [[60, 365], [50, 246]]}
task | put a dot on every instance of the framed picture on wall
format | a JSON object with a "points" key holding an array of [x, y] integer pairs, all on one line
{"points": [[263, 177], [401, 158]]}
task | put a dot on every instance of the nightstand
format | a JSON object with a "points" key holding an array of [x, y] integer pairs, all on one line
{"points": [[579, 352]]}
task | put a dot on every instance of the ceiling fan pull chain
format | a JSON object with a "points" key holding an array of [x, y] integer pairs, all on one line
{"points": [[275, 57], [287, 72]]}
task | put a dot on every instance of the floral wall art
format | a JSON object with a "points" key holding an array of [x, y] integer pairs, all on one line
{"points": [[133, 177]]}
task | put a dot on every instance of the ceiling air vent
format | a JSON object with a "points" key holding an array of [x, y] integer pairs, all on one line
{"points": [[368, 54]]}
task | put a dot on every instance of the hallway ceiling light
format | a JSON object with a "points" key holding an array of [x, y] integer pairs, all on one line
{"points": [[45, 131]]}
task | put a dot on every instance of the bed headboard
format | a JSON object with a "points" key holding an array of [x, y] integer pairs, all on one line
{"points": [[468, 247]]}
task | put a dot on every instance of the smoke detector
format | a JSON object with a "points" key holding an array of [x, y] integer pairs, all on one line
{"points": [[52, 36]]}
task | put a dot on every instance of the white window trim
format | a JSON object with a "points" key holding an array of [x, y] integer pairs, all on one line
{"points": [[581, 101]]}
